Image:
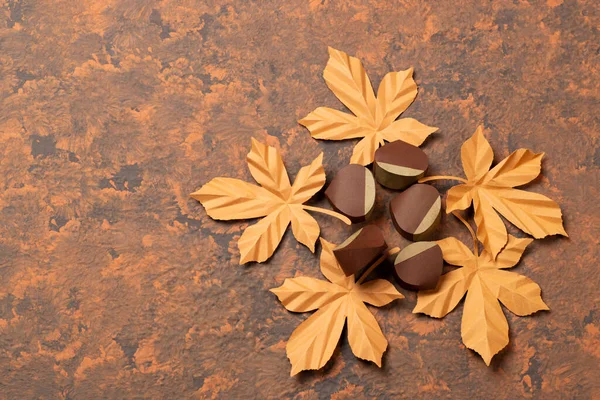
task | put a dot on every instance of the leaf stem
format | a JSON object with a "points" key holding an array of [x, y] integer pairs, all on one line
{"points": [[475, 242], [331, 213], [442, 177], [377, 262]]}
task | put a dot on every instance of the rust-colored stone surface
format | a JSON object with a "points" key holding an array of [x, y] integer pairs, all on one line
{"points": [[115, 284]]}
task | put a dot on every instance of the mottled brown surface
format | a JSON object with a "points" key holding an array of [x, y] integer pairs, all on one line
{"points": [[115, 284]]}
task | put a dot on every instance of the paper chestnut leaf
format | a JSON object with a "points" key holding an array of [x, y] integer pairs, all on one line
{"points": [[375, 117], [312, 344], [492, 191], [484, 327], [277, 201]]}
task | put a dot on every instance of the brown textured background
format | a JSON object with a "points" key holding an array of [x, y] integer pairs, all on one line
{"points": [[115, 284]]}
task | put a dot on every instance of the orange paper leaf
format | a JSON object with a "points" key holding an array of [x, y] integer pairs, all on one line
{"points": [[484, 280], [314, 340], [493, 191], [375, 118], [277, 201]]}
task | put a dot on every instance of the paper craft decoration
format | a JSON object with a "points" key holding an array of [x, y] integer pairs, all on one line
{"points": [[399, 164], [312, 343], [416, 212], [419, 266], [360, 250], [485, 281], [277, 201], [352, 192], [493, 191], [374, 119]]}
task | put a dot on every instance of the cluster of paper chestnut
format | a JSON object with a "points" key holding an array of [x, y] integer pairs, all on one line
{"points": [[415, 213]]}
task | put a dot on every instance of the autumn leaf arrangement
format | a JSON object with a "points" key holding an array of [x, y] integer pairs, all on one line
{"points": [[482, 276]]}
